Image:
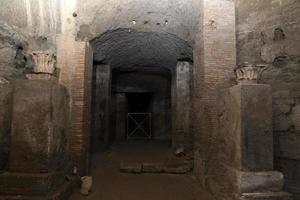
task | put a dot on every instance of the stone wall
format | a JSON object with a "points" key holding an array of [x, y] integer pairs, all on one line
{"points": [[25, 26], [268, 33], [13, 61], [35, 24], [5, 121], [39, 127]]}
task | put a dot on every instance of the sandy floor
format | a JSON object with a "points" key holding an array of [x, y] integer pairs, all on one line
{"points": [[110, 184]]}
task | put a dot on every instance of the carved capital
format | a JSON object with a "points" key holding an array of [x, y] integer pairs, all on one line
{"points": [[248, 73], [44, 62]]}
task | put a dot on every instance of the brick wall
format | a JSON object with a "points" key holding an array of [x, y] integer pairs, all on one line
{"points": [[75, 64], [214, 61]]}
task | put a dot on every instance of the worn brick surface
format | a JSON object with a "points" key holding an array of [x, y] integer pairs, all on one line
{"points": [[77, 77], [214, 61]]}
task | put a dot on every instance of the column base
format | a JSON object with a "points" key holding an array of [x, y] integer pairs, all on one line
{"points": [[270, 181], [18, 186], [263, 186]]}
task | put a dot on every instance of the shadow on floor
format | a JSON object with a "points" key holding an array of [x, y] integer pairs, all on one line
{"points": [[110, 184]]}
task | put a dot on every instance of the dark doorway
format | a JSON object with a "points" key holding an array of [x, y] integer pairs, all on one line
{"points": [[139, 102], [139, 116]]}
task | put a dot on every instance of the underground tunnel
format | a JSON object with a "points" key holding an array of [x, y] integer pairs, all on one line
{"points": [[160, 99], [135, 81]]}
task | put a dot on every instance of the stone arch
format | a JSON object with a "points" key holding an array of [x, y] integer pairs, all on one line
{"points": [[126, 51]]}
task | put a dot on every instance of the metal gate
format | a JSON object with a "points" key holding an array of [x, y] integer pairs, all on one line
{"points": [[139, 126]]}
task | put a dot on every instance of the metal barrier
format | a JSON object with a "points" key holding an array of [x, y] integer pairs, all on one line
{"points": [[139, 126]]}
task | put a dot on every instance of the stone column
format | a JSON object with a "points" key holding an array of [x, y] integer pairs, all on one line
{"points": [[102, 104], [246, 152], [182, 137], [158, 120], [120, 114]]}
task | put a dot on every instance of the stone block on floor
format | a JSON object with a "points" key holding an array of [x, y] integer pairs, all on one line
{"points": [[261, 181], [134, 168], [152, 168], [267, 196], [177, 169]]}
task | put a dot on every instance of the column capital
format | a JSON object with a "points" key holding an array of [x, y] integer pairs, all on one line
{"points": [[44, 62], [248, 73]]}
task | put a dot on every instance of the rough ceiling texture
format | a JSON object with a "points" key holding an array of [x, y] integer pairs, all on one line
{"points": [[127, 48]]}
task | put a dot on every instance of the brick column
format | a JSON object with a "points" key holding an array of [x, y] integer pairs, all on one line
{"points": [[75, 62], [214, 61]]}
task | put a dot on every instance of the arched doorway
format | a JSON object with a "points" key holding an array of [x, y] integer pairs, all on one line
{"points": [[141, 73], [136, 78]]}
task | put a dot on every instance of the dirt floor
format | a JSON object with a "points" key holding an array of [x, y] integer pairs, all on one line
{"points": [[110, 184]]}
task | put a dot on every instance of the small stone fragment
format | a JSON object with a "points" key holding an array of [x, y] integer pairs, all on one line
{"points": [[134, 168]]}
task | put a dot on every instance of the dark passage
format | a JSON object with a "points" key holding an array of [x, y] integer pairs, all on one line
{"points": [[139, 116], [139, 102]]}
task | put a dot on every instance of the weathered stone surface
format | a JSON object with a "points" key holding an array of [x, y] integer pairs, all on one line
{"points": [[251, 127], [261, 181], [177, 168], [290, 169], [102, 106], [282, 122], [17, 186], [152, 168], [285, 97], [134, 168], [181, 133], [288, 146], [5, 121], [264, 36], [25, 184], [46, 77], [246, 141], [12, 59], [44, 62], [267, 196], [121, 104], [39, 118], [271, 51], [295, 117]]}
